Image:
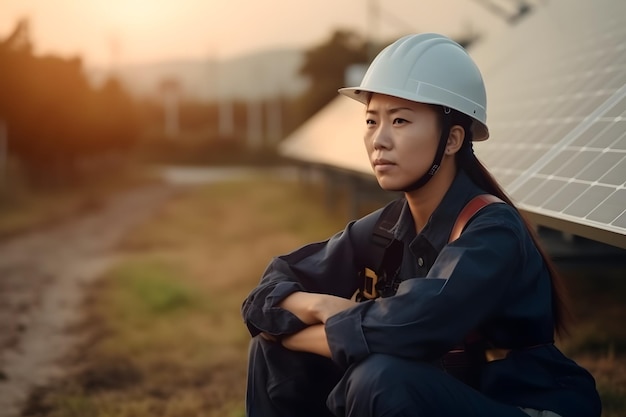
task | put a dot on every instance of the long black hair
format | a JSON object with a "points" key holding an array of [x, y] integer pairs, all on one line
{"points": [[468, 162]]}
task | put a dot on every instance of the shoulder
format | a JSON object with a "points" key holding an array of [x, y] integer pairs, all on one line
{"points": [[499, 214], [361, 230], [503, 220]]}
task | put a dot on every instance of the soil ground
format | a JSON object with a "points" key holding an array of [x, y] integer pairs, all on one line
{"points": [[44, 274]]}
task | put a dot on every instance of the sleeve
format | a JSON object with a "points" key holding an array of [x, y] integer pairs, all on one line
{"points": [[428, 316], [329, 267]]}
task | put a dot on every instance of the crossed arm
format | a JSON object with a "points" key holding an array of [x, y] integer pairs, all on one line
{"points": [[312, 309]]}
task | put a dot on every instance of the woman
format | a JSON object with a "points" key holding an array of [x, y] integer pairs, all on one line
{"points": [[464, 327]]}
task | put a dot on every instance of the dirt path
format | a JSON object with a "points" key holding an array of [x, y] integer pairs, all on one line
{"points": [[42, 277]]}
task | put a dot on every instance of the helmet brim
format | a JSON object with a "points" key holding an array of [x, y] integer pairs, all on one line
{"points": [[480, 131]]}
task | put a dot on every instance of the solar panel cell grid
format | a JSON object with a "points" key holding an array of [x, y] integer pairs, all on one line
{"points": [[610, 209], [572, 168], [615, 175], [527, 188], [620, 108], [611, 135], [588, 201], [592, 132], [620, 222], [620, 145], [565, 196], [544, 192], [603, 162], [566, 91]]}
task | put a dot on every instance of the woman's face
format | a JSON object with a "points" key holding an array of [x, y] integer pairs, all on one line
{"points": [[401, 140]]}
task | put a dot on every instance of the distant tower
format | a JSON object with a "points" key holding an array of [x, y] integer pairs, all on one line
{"points": [[170, 91], [255, 113], [255, 124], [226, 118], [274, 119], [226, 122]]}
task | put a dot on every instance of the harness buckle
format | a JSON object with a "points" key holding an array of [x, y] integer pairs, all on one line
{"points": [[496, 354], [369, 288]]}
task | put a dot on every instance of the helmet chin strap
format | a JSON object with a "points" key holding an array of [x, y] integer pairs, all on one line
{"points": [[443, 140]]}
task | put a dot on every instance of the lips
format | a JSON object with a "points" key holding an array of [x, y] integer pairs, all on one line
{"points": [[382, 162], [382, 166]]}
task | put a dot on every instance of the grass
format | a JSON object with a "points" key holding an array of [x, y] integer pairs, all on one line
{"points": [[165, 335]]}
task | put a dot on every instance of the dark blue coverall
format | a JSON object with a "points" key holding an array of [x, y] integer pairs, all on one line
{"points": [[491, 278]]}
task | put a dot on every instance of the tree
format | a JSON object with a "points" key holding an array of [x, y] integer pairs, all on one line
{"points": [[53, 115], [325, 66]]}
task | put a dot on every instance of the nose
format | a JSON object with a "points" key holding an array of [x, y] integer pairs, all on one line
{"points": [[381, 138]]}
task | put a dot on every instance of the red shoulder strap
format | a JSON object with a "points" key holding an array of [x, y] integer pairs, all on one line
{"points": [[470, 209]]}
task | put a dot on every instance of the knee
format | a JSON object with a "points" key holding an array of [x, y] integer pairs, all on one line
{"points": [[381, 372], [384, 383]]}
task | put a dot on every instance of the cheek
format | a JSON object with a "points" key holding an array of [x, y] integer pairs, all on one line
{"points": [[367, 141], [418, 147]]}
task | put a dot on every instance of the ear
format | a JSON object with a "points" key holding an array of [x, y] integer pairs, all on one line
{"points": [[455, 139]]}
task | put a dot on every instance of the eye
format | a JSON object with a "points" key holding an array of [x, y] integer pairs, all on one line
{"points": [[370, 122], [399, 121]]}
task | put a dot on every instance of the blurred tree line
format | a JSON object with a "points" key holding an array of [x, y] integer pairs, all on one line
{"points": [[58, 125], [326, 65]]}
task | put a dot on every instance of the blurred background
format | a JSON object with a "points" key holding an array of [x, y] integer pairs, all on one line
{"points": [[147, 146], [184, 80]]}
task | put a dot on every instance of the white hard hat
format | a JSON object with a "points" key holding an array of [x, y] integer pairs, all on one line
{"points": [[428, 68]]}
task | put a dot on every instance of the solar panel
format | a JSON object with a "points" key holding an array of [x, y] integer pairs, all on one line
{"points": [[557, 114], [556, 90], [331, 138]]}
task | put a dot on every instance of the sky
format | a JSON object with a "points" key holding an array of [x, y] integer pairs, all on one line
{"points": [[119, 32]]}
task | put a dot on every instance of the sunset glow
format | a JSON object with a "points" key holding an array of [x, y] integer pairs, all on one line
{"points": [[132, 31]]}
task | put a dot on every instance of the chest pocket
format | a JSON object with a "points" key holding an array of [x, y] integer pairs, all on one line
{"points": [[384, 258]]}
